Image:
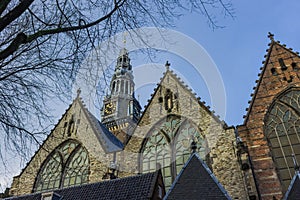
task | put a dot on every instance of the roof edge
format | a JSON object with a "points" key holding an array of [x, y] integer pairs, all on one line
{"points": [[44, 141], [297, 174], [208, 171]]}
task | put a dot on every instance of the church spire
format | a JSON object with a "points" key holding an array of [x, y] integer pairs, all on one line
{"points": [[122, 79], [120, 108]]}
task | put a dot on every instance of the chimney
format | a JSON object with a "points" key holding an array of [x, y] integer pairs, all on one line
{"points": [[50, 196]]}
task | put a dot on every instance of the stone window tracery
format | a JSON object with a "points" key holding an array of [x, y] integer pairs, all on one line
{"points": [[282, 128], [67, 165], [167, 147]]}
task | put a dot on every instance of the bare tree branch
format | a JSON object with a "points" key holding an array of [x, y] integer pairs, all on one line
{"points": [[43, 42], [21, 38], [15, 13], [3, 5]]}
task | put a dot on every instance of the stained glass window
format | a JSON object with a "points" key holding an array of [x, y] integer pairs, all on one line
{"points": [[167, 147], [282, 128], [67, 165]]}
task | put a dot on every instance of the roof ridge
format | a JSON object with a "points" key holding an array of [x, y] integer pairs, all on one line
{"points": [[111, 180], [156, 174], [297, 175], [104, 132], [212, 176]]}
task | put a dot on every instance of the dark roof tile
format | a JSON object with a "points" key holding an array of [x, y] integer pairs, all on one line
{"points": [[109, 141], [135, 187], [293, 192], [196, 181]]}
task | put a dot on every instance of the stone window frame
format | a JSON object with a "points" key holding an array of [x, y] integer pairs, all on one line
{"points": [[63, 164], [283, 144], [172, 144]]}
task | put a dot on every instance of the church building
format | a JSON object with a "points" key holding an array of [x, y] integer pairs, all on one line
{"points": [[176, 145]]}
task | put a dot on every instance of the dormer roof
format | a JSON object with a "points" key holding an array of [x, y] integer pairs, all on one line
{"points": [[196, 180]]}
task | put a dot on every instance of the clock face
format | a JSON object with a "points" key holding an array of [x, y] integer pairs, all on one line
{"points": [[109, 108]]}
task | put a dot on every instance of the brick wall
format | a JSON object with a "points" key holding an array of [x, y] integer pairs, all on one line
{"points": [[272, 81]]}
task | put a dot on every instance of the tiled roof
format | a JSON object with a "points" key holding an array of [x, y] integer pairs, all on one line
{"points": [[293, 192], [135, 187], [108, 141], [196, 181]]}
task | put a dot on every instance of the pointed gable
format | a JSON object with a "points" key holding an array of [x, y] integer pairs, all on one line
{"points": [[183, 98], [293, 192], [173, 97], [79, 125], [174, 104], [279, 75], [196, 181], [280, 69]]}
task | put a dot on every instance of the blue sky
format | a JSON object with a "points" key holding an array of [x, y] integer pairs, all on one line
{"points": [[238, 51]]}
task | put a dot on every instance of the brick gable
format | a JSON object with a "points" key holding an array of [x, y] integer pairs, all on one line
{"points": [[279, 73]]}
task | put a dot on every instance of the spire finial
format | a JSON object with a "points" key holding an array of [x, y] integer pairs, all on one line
{"points": [[271, 36], [78, 92], [167, 65]]}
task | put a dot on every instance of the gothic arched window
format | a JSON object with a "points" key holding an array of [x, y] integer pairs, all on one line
{"points": [[282, 129], [167, 147], [67, 165]]}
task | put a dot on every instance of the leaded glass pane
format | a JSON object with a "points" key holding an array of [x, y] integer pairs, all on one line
{"points": [[170, 126], [156, 152], [168, 147], [283, 133], [76, 171], [67, 149], [49, 177], [67, 165], [185, 135]]}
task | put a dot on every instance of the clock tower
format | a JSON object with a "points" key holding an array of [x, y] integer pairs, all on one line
{"points": [[121, 110]]}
